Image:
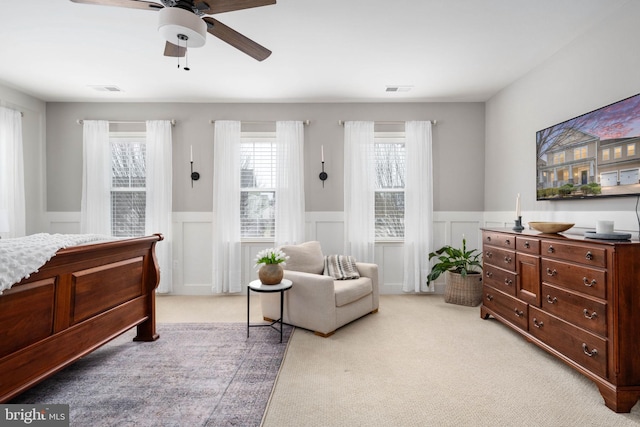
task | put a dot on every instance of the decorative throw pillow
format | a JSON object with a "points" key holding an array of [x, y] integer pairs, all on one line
{"points": [[306, 257], [341, 267]]}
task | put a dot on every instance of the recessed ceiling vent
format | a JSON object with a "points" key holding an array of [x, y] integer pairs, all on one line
{"points": [[398, 88], [106, 88]]}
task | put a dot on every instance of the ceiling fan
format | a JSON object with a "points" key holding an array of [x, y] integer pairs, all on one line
{"points": [[183, 23]]}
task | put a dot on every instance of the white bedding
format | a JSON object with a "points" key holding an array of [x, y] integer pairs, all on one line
{"points": [[22, 256]]}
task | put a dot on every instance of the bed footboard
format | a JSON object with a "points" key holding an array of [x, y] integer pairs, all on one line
{"points": [[82, 298]]}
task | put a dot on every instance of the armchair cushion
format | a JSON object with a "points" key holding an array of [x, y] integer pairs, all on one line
{"points": [[306, 257], [352, 290]]}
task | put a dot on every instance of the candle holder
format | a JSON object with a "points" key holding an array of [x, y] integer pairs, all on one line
{"points": [[323, 175], [194, 175], [518, 224]]}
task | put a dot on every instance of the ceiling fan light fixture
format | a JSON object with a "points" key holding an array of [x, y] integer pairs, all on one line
{"points": [[174, 22]]}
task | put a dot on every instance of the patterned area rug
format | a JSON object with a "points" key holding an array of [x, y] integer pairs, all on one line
{"points": [[194, 375]]}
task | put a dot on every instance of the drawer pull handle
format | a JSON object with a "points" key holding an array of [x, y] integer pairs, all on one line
{"points": [[589, 284], [589, 256], [507, 242], [588, 352], [490, 297], [488, 238], [518, 313], [552, 272], [508, 282], [489, 274], [489, 254], [589, 316], [507, 259], [537, 324], [527, 244], [552, 300], [551, 249]]}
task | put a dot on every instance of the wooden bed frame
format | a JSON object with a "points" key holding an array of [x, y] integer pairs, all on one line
{"points": [[82, 298]]}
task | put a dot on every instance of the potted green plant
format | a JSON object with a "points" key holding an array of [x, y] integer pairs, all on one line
{"points": [[463, 278]]}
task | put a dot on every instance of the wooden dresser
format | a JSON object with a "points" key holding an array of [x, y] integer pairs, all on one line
{"points": [[577, 298]]}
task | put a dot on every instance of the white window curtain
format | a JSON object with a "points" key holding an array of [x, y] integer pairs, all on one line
{"points": [[226, 207], [289, 210], [418, 210], [359, 190], [95, 210], [159, 185], [12, 197]]}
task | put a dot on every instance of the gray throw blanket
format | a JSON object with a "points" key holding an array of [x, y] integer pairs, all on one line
{"points": [[341, 267]]}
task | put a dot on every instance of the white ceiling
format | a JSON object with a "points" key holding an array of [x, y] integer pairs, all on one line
{"points": [[323, 50]]}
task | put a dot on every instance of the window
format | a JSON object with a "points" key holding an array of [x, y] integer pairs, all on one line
{"points": [[390, 179], [558, 158], [580, 153], [631, 149], [617, 152], [128, 184], [606, 154], [257, 185]]}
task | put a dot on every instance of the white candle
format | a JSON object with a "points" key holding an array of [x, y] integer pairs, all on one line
{"points": [[191, 153], [322, 152], [604, 227], [518, 206]]}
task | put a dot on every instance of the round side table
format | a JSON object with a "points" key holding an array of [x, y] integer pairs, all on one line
{"points": [[258, 286]]}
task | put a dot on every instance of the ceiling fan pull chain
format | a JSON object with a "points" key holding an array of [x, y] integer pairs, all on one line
{"points": [[186, 60], [178, 37]]}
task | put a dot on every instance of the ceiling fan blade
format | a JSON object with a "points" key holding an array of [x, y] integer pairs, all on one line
{"points": [[237, 40], [133, 4], [211, 7], [171, 49]]}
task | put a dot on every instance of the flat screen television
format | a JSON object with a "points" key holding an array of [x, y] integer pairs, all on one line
{"points": [[593, 155]]}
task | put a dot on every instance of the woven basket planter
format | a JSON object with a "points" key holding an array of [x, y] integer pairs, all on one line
{"points": [[463, 290]]}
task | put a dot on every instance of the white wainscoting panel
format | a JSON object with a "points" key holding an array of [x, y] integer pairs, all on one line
{"points": [[63, 222], [192, 250]]}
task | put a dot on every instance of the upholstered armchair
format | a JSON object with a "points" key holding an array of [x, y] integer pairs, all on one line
{"points": [[316, 301]]}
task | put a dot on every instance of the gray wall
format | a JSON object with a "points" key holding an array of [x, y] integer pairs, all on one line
{"points": [[458, 149], [595, 70]]}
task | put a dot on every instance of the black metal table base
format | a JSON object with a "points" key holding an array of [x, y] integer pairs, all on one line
{"points": [[255, 325]]}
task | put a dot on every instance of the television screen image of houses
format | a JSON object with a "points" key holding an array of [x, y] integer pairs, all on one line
{"points": [[592, 155]]}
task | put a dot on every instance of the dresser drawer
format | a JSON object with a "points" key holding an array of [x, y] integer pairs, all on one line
{"points": [[500, 279], [587, 313], [528, 245], [502, 258], [583, 347], [588, 255], [502, 240], [511, 309], [575, 277]]}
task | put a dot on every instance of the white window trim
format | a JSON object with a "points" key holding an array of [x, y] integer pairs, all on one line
{"points": [[389, 138], [263, 136], [134, 136]]}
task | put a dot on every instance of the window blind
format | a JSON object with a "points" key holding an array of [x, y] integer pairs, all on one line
{"points": [[128, 186], [257, 183], [390, 167]]}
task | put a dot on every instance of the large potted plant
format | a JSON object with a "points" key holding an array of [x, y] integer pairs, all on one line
{"points": [[463, 278]]}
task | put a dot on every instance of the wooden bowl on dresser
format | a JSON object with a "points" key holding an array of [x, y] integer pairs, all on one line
{"points": [[551, 227]]}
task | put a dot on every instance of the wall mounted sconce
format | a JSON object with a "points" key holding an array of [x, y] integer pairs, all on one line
{"points": [[194, 175], [323, 175]]}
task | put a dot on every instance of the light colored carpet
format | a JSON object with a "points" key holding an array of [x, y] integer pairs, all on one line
{"points": [[422, 362]]}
